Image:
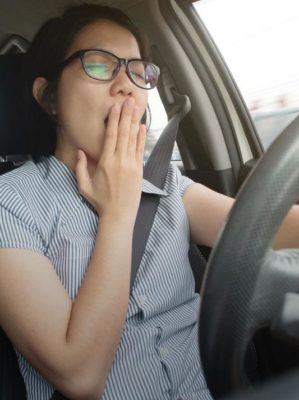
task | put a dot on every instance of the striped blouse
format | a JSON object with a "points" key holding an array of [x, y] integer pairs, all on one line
{"points": [[158, 357]]}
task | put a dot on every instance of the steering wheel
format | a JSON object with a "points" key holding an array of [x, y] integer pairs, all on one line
{"points": [[248, 285]]}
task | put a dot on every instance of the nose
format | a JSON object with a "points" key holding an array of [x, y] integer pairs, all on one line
{"points": [[122, 83]]}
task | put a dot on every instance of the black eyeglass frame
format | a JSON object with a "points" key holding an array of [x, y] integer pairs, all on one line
{"points": [[120, 61]]}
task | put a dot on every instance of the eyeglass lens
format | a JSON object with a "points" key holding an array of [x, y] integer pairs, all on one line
{"points": [[102, 66]]}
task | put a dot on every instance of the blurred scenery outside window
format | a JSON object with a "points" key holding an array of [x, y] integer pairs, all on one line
{"points": [[259, 41]]}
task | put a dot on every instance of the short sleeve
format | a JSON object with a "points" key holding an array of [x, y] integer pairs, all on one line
{"points": [[17, 226], [183, 181]]}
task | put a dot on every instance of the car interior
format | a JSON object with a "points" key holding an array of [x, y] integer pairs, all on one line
{"points": [[249, 343]]}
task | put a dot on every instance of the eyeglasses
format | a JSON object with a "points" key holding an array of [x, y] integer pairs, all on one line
{"points": [[104, 66]]}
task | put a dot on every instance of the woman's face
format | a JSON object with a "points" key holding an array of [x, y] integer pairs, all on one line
{"points": [[83, 103]]}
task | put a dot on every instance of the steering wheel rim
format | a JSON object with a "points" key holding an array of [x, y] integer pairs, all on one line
{"points": [[237, 294]]}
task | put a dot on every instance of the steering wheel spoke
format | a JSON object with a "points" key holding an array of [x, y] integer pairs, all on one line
{"points": [[278, 275]]}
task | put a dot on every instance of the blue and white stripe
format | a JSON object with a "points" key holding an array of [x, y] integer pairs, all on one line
{"points": [[158, 358]]}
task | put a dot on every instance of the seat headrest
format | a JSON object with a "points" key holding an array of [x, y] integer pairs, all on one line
{"points": [[13, 139]]}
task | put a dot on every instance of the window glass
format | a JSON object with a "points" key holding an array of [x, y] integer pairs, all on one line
{"points": [[259, 42], [157, 121]]}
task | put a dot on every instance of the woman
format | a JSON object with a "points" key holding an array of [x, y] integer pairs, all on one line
{"points": [[68, 220]]}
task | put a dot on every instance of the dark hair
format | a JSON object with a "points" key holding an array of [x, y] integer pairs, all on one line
{"points": [[46, 54]]}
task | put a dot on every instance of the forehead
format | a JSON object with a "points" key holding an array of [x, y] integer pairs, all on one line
{"points": [[107, 35]]}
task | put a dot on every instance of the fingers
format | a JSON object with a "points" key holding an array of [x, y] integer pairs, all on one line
{"points": [[124, 127], [135, 126], [123, 130], [140, 144], [112, 129]]}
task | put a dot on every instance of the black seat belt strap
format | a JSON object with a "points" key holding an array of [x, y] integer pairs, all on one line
{"points": [[155, 171]]}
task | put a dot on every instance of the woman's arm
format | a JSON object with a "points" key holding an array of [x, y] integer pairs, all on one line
{"points": [[72, 344], [207, 211]]}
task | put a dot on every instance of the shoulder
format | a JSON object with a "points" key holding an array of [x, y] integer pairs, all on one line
{"points": [[22, 177], [21, 183], [176, 181], [24, 194]]}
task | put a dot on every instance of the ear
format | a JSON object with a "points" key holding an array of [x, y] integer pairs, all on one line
{"points": [[38, 87]]}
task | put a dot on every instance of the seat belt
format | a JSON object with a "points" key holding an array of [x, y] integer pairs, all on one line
{"points": [[155, 171]]}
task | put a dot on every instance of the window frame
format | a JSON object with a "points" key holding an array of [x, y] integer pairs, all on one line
{"points": [[220, 104]]}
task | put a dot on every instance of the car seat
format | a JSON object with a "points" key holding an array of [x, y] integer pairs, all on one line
{"points": [[14, 150], [12, 145]]}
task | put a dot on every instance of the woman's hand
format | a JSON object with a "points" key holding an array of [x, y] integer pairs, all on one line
{"points": [[115, 187]]}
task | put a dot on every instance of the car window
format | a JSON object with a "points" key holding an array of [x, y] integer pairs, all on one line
{"points": [[157, 120], [259, 40]]}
